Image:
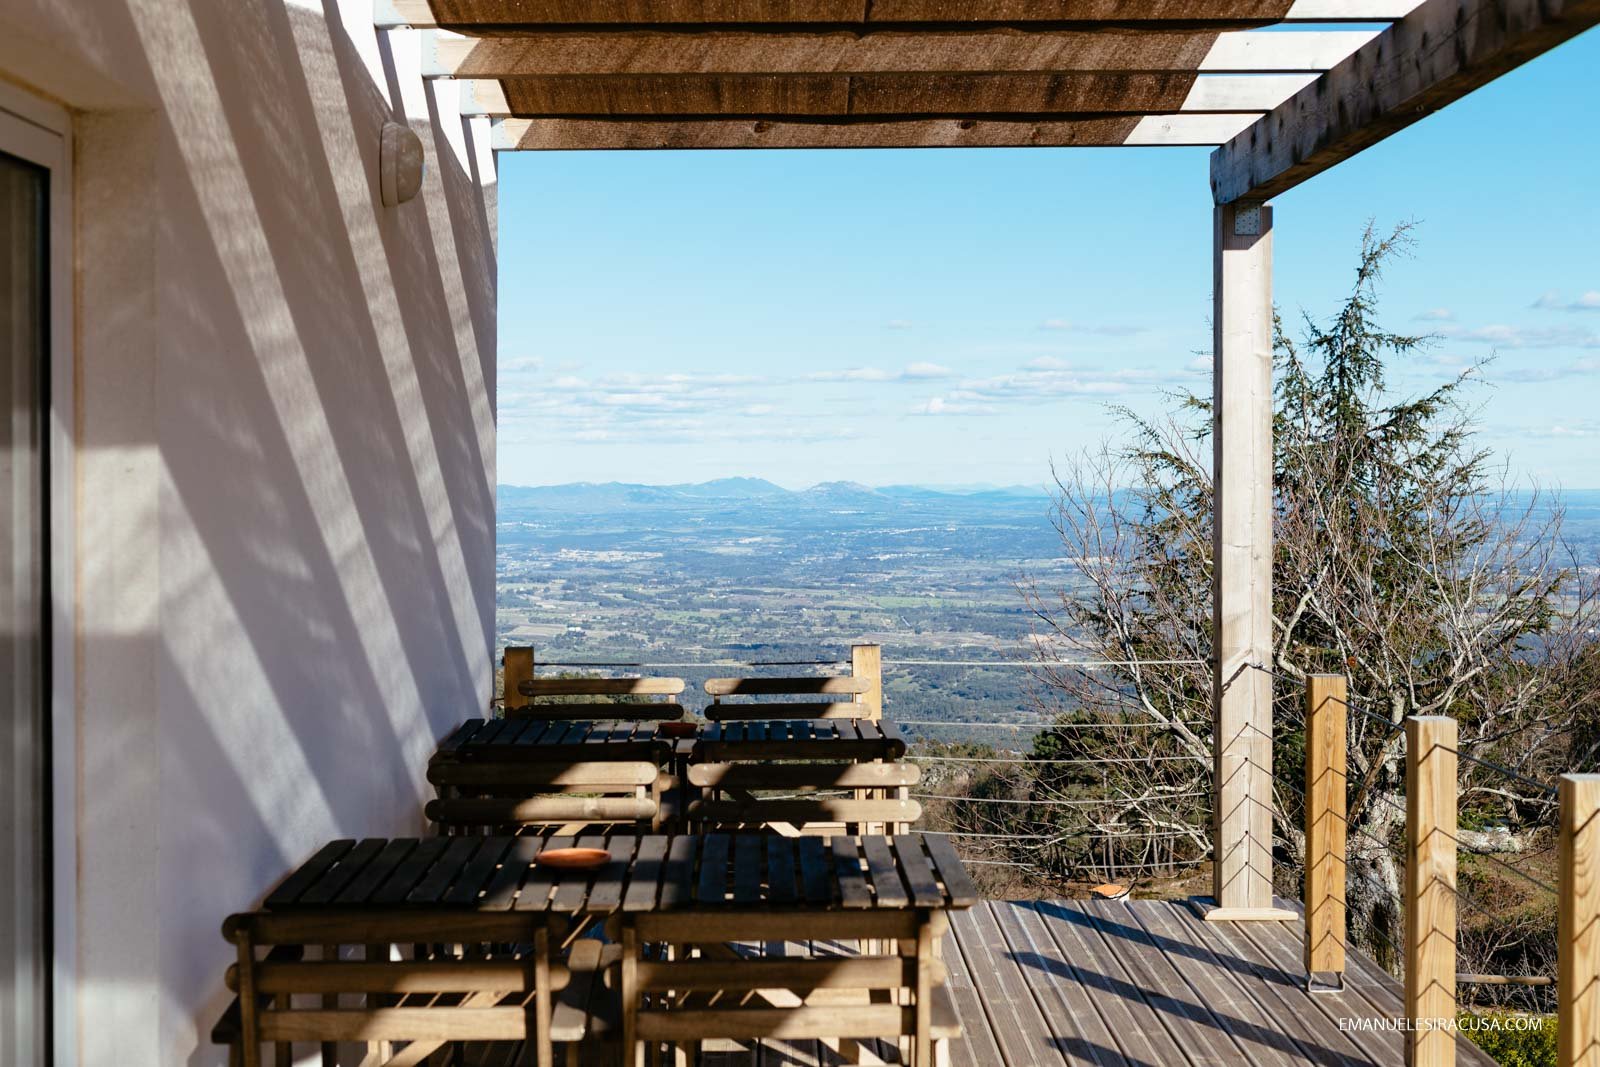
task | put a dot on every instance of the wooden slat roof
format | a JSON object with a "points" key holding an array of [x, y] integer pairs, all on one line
{"points": [[884, 73], [1251, 74]]}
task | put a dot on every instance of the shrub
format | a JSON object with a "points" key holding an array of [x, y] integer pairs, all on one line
{"points": [[1514, 1045]]}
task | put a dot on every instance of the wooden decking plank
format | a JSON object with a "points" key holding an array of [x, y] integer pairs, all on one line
{"points": [[1077, 1031], [887, 886], [712, 887], [1198, 1031], [1282, 995], [410, 871], [1140, 1034], [788, 1052], [1287, 954], [1016, 1023], [443, 874], [847, 873], [644, 877], [306, 875], [1214, 984], [976, 1046]]}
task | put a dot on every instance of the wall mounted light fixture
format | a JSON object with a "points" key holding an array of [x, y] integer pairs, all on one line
{"points": [[399, 164]]}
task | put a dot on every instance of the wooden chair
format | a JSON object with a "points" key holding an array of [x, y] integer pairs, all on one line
{"points": [[878, 800], [774, 698], [694, 986], [512, 795], [523, 693], [435, 1002]]}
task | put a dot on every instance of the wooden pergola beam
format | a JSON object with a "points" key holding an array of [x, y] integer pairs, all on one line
{"points": [[858, 96], [1093, 131], [1439, 53], [511, 16], [447, 55]]}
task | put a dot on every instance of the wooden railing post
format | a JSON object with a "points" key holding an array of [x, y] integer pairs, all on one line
{"points": [[866, 661], [1578, 926], [1430, 903], [1326, 732], [517, 665]]}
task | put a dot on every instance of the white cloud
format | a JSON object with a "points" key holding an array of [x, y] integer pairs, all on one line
{"points": [[958, 406], [1554, 301], [1108, 330], [1507, 336], [912, 372], [1578, 368], [1435, 315]]}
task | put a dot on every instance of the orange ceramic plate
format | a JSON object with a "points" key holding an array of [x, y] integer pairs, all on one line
{"points": [[572, 858], [677, 729]]}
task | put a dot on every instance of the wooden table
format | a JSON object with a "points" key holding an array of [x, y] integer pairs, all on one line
{"points": [[680, 889]]}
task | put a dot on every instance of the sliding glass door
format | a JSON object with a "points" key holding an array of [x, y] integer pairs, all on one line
{"points": [[25, 857]]}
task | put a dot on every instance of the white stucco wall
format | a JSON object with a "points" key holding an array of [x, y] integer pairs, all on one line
{"points": [[285, 405]]}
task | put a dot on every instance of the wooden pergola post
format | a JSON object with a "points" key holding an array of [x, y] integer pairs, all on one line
{"points": [[1578, 924], [1242, 565], [1326, 825], [1430, 902]]}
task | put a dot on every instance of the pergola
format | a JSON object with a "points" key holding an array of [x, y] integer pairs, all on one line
{"points": [[1283, 89]]}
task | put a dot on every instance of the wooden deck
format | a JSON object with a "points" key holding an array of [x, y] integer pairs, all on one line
{"points": [[1139, 984]]}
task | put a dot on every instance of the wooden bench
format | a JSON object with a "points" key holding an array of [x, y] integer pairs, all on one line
{"points": [[740, 795], [509, 795], [477, 1011]]}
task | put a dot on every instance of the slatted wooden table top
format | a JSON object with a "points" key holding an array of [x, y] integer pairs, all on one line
{"points": [[649, 873], [774, 739], [540, 739], [799, 739]]}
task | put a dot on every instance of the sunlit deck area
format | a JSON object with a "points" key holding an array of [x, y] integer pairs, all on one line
{"points": [[1142, 983]]}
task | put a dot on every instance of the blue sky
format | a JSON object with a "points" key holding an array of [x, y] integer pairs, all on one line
{"points": [[965, 316]]}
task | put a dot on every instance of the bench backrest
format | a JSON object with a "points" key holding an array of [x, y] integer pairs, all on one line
{"points": [[776, 797], [616, 698], [511, 795], [857, 695]]}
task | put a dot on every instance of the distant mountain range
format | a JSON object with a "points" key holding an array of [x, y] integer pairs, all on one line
{"points": [[591, 497]]}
